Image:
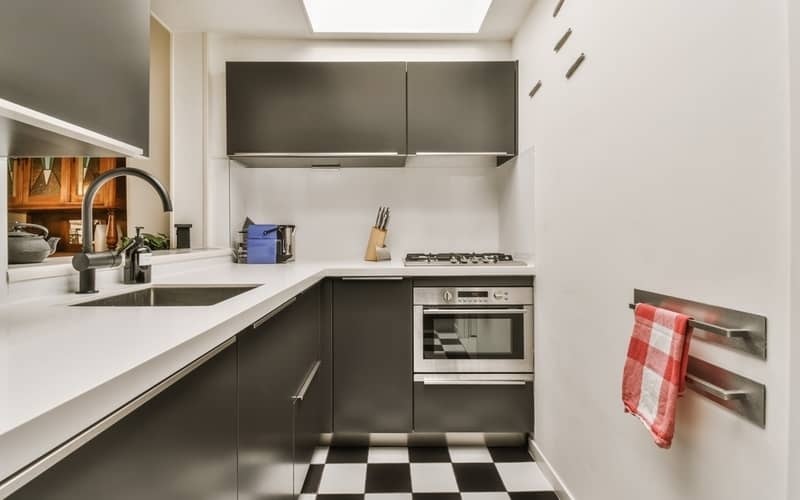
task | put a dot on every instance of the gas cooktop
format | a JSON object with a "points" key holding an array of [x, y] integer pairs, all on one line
{"points": [[460, 259]]}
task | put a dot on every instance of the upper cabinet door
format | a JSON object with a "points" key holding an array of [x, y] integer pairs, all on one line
{"points": [[462, 107], [84, 62], [316, 107]]}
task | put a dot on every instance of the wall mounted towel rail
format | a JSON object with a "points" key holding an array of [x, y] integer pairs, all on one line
{"points": [[734, 329], [740, 395]]}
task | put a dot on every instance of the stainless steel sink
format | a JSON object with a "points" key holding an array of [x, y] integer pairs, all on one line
{"points": [[170, 296]]}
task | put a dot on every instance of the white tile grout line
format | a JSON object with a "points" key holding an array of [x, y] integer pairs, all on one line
{"points": [[560, 488]]}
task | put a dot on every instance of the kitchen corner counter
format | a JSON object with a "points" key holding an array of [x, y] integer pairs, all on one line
{"points": [[65, 368]]}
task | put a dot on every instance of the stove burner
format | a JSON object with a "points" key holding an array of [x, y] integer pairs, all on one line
{"points": [[459, 259]]}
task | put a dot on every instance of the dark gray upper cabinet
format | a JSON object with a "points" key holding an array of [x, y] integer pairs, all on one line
{"points": [[85, 62], [372, 370], [179, 445], [462, 107], [316, 107]]}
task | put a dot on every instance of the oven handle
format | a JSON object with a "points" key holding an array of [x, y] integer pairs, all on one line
{"points": [[473, 311], [473, 382]]}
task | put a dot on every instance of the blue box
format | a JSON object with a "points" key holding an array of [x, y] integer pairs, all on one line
{"points": [[262, 244]]}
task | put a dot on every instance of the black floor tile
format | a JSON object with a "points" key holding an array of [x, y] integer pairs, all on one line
{"points": [[422, 439], [313, 478], [349, 496], [436, 496], [388, 478], [429, 454], [510, 454], [478, 477], [348, 455], [534, 495]]}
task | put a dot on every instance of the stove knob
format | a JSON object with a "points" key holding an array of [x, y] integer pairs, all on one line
{"points": [[447, 296]]}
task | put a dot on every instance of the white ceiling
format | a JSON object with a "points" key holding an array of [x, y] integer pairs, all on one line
{"points": [[287, 19]]}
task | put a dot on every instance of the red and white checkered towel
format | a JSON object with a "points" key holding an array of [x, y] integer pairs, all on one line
{"points": [[655, 371]]}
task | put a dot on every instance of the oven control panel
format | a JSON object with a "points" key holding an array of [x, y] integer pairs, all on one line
{"points": [[473, 296]]}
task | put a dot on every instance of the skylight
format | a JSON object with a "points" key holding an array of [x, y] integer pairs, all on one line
{"points": [[397, 16]]}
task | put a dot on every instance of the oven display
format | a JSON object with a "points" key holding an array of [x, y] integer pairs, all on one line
{"points": [[473, 295]]}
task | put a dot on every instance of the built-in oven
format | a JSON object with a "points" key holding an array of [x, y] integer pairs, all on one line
{"points": [[473, 330]]}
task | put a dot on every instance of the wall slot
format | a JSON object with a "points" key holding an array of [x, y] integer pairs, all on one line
{"points": [[535, 89], [558, 7], [571, 71], [562, 40]]}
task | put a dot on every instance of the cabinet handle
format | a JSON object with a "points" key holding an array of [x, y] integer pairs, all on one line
{"points": [[487, 311], [372, 278], [316, 155], [453, 153], [312, 373], [29, 473], [473, 382], [274, 312]]}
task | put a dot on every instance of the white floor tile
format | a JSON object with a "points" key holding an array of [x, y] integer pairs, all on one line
{"points": [[343, 478], [485, 495], [470, 454], [433, 478], [523, 476], [388, 496], [320, 455], [388, 455], [307, 496]]}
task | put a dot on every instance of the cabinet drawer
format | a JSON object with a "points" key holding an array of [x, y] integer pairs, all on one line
{"points": [[473, 403]]}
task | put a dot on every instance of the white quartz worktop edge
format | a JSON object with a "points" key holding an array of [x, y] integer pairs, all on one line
{"points": [[67, 367]]}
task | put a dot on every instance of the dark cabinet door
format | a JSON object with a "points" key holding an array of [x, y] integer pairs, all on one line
{"points": [[179, 445], [372, 338], [309, 396], [316, 107], [267, 382], [83, 61], [280, 398], [462, 107]]}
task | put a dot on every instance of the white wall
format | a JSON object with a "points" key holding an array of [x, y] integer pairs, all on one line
{"points": [[434, 208], [516, 215], [794, 379], [452, 205], [188, 134], [144, 209], [662, 165]]}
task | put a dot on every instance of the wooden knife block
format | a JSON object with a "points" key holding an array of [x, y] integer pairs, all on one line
{"points": [[377, 238]]}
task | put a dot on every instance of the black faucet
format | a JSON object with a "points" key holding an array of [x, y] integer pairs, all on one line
{"points": [[87, 261]]}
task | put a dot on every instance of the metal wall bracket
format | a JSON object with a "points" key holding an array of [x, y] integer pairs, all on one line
{"points": [[558, 7], [562, 40], [535, 89], [727, 327], [577, 64], [740, 395]]}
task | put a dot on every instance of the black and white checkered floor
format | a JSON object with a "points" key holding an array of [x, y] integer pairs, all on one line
{"points": [[425, 473]]}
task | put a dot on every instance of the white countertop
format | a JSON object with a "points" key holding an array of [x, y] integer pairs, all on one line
{"points": [[64, 368]]}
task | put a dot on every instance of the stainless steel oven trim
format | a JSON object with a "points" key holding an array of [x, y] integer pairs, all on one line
{"points": [[422, 365]]}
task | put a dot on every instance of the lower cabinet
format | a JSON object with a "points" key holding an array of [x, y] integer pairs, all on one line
{"points": [[280, 416], [473, 403], [179, 445], [372, 364]]}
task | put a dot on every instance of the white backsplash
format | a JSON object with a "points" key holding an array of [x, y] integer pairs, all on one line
{"points": [[438, 204]]}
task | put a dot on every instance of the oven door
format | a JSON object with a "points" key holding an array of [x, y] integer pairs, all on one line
{"points": [[473, 340]]}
